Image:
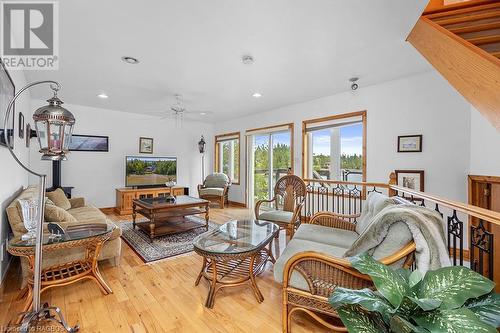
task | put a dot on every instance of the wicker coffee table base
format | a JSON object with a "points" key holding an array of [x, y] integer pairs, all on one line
{"points": [[230, 270]]}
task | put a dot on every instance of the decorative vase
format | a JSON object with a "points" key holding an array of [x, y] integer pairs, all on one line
{"points": [[170, 197], [29, 209]]}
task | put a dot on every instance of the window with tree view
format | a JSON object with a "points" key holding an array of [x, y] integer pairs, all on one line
{"points": [[335, 148], [227, 155]]}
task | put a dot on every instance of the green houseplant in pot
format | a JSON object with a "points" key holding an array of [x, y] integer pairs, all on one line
{"points": [[451, 299]]}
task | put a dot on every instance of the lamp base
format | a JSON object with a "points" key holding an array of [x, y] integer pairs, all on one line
{"points": [[30, 320]]}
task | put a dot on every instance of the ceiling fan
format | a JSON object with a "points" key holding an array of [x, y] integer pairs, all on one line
{"points": [[178, 112]]}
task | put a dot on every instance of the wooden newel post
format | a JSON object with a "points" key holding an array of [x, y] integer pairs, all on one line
{"points": [[392, 181]]}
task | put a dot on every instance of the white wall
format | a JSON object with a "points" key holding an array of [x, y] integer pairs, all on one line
{"points": [[484, 146], [421, 104], [12, 177], [96, 175]]}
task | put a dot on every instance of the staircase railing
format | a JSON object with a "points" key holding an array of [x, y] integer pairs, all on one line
{"points": [[469, 239]]}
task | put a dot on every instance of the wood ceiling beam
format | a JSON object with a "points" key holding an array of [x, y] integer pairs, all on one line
{"points": [[473, 72]]}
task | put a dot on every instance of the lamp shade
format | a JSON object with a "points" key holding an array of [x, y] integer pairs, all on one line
{"points": [[201, 145], [54, 126]]}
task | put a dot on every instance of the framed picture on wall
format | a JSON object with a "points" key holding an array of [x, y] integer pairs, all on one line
{"points": [[145, 145], [412, 179], [7, 92], [410, 143], [89, 143]]}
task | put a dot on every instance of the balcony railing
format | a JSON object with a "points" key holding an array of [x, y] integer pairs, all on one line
{"points": [[470, 242]]}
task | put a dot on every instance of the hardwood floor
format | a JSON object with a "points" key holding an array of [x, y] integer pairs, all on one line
{"points": [[161, 297]]}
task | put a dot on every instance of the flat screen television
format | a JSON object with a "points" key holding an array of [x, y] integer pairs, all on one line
{"points": [[149, 171]]}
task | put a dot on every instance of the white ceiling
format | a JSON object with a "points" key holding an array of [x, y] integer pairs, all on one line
{"points": [[303, 49]]}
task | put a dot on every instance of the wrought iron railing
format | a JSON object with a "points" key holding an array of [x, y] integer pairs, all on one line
{"points": [[469, 239]]}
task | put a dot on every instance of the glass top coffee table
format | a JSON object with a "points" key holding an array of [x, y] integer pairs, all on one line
{"points": [[234, 254]]}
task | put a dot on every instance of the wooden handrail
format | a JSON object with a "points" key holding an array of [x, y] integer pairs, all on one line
{"points": [[481, 213], [455, 7], [478, 212]]}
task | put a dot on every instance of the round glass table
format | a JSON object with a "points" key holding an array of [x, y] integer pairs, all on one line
{"points": [[91, 237], [234, 254]]}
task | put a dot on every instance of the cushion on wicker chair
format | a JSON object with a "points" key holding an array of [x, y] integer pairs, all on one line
{"points": [[325, 235], [276, 215], [211, 191], [297, 246], [219, 180]]}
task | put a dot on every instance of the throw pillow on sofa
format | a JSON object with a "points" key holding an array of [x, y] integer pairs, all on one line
{"points": [[59, 199], [57, 214]]}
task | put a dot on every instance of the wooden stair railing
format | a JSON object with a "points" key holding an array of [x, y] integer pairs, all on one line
{"points": [[462, 42]]}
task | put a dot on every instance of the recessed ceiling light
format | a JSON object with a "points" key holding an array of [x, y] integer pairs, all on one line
{"points": [[256, 95], [102, 95], [130, 60], [203, 113]]}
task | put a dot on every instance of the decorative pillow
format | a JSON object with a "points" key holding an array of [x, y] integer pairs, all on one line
{"points": [[217, 180], [59, 199], [49, 202], [56, 214]]}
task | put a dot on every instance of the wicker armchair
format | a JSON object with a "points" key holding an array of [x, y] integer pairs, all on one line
{"points": [[289, 196], [323, 273], [215, 187]]}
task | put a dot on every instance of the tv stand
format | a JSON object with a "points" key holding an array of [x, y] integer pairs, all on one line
{"points": [[125, 196]]}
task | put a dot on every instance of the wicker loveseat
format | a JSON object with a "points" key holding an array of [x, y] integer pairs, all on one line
{"points": [[312, 264], [79, 213]]}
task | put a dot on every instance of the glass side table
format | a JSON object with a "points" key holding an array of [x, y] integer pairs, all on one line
{"points": [[234, 254], [91, 237]]}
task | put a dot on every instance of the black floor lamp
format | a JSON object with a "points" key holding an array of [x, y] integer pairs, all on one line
{"points": [[54, 125]]}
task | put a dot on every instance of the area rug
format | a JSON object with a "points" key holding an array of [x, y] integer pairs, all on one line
{"points": [[163, 246]]}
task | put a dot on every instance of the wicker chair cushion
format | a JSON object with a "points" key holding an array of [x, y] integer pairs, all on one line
{"points": [[397, 237], [59, 199], [217, 180], [277, 216], [326, 235], [52, 213], [211, 191], [373, 204], [297, 246]]}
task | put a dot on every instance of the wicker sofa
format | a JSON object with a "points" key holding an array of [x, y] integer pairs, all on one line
{"points": [[312, 264], [81, 213]]}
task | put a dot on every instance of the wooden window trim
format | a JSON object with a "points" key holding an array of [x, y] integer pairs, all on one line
{"points": [[361, 114], [219, 138]]}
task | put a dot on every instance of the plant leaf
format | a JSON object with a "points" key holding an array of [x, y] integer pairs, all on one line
{"points": [[460, 320], [405, 273], [426, 304], [453, 286], [356, 320], [367, 298], [415, 278], [487, 308], [401, 325], [389, 283]]}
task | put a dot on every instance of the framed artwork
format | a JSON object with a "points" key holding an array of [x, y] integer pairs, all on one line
{"points": [[410, 143], [20, 126], [145, 145], [7, 92], [89, 143], [412, 179]]}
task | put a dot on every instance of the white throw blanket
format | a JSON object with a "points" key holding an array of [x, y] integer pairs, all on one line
{"points": [[426, 227]]}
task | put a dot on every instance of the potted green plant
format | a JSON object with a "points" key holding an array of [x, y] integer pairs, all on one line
{"points": [[450, 299]]}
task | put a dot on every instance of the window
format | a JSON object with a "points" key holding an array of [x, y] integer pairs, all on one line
{"points": [[227, 155], [269, 157], [335, 147]]}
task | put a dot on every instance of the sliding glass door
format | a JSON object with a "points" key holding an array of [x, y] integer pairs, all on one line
{"points": [[270, 158]]}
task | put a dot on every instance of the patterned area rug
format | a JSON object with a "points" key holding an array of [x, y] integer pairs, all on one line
{"points": [[163, 246]]}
